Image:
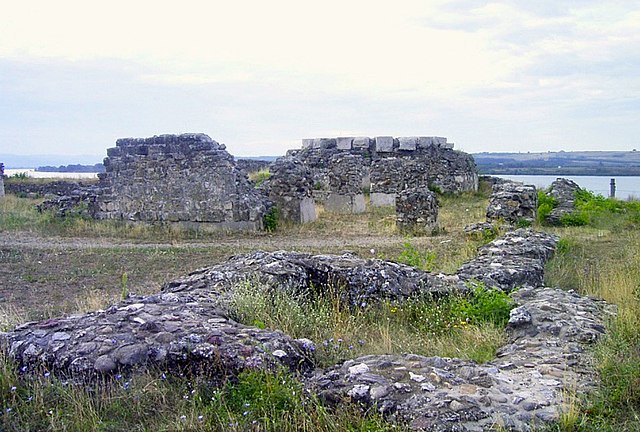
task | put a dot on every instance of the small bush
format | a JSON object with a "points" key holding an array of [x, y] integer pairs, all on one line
{"points": [[546, 203], [271, 219], [412, 256], [259, 177]]}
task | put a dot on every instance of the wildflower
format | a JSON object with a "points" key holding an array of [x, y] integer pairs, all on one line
{"points": [[183, 417], [30, 398], [360, 341], [126, 385], [119, 376], [23, 369], [350, 347], [13, 388], [340, 341], [247, 404], [46, 374], [9, 410], [244, 414], [163, 376], [200, 417]]}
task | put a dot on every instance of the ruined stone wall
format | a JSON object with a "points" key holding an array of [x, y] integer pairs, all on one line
{"points": [[394, 164], [177, 178], [289, 187]]}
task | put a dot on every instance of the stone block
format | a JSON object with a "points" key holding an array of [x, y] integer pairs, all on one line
{"points": [[324, 143], [425, 142], [345, 204], [308, 210], [416, 211], [379, 199], [307, 143], [447, 146], [408, 143], [344, 143], [384, 144], [439, 141], [361, 143]]}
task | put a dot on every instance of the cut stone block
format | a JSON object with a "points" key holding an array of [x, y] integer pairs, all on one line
{"points": [[425, 142], [379, 199], [361, 142], [408, 143], [345, 204], [384, 144], [324, 143], [447, 146], [439, 141], [344, 143], [307, 143]]}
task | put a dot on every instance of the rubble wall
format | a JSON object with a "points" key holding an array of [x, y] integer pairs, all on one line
{"points": [[177, 178]]}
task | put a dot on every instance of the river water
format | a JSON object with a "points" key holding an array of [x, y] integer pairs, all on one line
{"points": [[626, 186]]}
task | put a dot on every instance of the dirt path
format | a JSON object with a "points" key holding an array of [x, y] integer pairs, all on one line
{"points": [[37, 241]]}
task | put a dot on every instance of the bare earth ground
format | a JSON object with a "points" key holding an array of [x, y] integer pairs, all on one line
{"points": [[42, 276]]}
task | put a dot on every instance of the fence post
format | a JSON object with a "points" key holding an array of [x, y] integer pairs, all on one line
{"points": [[612, 188]]}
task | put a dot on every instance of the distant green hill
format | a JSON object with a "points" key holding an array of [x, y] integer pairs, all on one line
{"points": [[560, 163]]}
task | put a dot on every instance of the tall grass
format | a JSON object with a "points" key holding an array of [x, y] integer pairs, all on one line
{"points": [[605, 264], [454, 326]]}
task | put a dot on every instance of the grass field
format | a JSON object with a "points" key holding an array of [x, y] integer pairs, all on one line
{"points": [[50, 267]]}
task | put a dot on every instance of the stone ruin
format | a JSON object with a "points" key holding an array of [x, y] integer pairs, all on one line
{"points": [[391, 165], [346, 173], [416, 211], [289, 187], [513, 203], [186, 329], [186, 179], [563, 191]]}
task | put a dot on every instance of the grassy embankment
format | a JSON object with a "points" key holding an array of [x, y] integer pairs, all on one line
{"points": [[598, 259]]}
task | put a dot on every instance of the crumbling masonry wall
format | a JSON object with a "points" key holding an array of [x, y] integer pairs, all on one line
{"points": [[186, 178], [391, 165]]}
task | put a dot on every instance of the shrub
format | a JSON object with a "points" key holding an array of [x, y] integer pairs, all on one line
{"points": [[271, 219], [259, 177], [412, 256], [546, 203]]}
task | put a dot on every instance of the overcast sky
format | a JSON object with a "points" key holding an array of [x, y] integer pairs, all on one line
{"points": [[520, 75]]}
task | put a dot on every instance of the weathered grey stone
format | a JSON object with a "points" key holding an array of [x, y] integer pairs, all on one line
{"points": [[513, 203], [362, 281], [307, 143], [381, 199], [408, 143], [345, 204], [563, 191], [344, 143], [361, 143], [513, 260], [186, 178], [384, 144], [417, 211], [442, 394], [290, 189], [201, 339]]}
